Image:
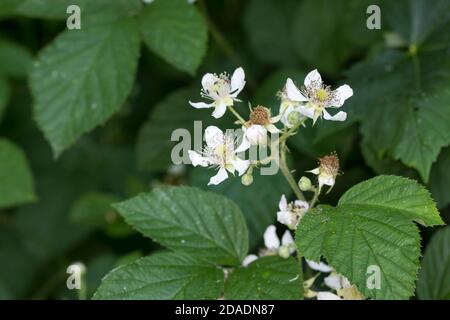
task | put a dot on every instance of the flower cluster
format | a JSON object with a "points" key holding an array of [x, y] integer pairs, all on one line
{"points": [[297, 105]]}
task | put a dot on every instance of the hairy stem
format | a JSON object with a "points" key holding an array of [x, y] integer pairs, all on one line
{"points": [[236, 114], [287, 173]]}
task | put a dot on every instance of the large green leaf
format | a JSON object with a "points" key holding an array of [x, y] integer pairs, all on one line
{"points": [[268, 278], [434, 276], [425, 130], [83, 78], [200, 223], [259, 201], [16, 181], [163, 276], [175, 31], [416, 20], [372, 226], [398, 193]]}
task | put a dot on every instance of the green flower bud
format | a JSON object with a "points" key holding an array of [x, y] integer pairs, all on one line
{"points": [[304, 184], [294, 117], [247, 179], [284, 252]]}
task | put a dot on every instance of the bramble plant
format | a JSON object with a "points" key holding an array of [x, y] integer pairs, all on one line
{"points": [[312, 165]]}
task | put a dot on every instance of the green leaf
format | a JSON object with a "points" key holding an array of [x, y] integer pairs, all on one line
{"points": [[416, 20], [16, 181], [268, 278], [397, 193], [440, 179], [395, 116], [174, 30], [434, 276], [372, 225], [425, 130], [259, 201], [196, 222], [8, 7], [16, 59], [83, 78], [92, 12], [162, 276]]}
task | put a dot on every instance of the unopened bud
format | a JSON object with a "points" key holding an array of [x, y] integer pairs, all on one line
{"points": [[247, 179], [304, 184], [284, 252]]}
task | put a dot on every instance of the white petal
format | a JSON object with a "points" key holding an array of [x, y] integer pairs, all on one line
{"points": [[313, 79], [201, 105], [324, 295], [271, 240], [272, 129], [319, 266], [283, 203], [256, 134], [342, 93], [219, 177], [219, 110], [240, 165], [340, 116], [214, 136], [307, 111], [333, 281], [237, 82], [197, 159], [249, 259], [208, 80], [315, 171], [245, 144], [284, 217], [287, 238], [327, 180], [293, 93], [302, 204]]}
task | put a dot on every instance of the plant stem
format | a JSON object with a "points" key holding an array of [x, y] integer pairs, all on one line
{"points": [[315, 197], [287, 173], [236, 114]]}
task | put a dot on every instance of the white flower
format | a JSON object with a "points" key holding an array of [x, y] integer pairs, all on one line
{"points": [[327, 170], [221, 90], [256, 129], [220, 152], [318, 97], [290, 104], [325, 295], [249, 259], [290, 214], [273, 245], [319, 266]]}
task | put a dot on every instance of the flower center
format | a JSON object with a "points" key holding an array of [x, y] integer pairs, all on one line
{"points": [[329, 165], [260, 115], [322, 94]]}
